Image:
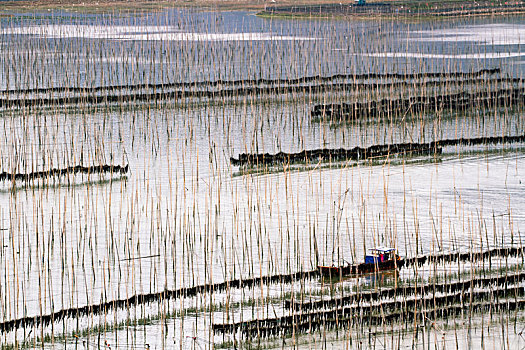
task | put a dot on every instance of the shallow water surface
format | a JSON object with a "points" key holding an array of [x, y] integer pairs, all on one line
{"points": [[184, 215]]}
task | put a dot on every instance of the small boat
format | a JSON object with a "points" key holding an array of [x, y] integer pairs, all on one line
{"points": [[380, 259]]}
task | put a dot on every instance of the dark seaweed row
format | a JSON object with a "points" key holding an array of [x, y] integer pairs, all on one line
{"points": [[139, 299], [364, 268], [404, 291], [223, 93], [472, 256], [377, 314], [351, 318], [5, 176], [224, 83], [420, 104], [358, 153]]}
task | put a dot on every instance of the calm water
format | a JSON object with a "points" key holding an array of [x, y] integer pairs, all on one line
{"points": [[184, 215], [65, 49]]}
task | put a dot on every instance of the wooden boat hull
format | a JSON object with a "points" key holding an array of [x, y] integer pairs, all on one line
{"points": [[359, 269]]}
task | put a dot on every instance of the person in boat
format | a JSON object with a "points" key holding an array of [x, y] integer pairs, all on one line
{"points": [[381, 255]]}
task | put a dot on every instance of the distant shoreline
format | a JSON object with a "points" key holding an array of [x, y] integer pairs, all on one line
{"points": [[286, 8], [398, 9], [142, 5]]}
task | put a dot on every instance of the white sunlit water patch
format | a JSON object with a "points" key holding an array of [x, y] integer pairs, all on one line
{"points": [[487, 34], [466, 56], [141, 33], [84, 31]]}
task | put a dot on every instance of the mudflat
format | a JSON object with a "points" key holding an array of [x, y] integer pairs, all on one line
{"points": [[284, 8], [108, 5]]}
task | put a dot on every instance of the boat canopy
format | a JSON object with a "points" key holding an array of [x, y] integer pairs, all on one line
{"points": [[383, 250]]}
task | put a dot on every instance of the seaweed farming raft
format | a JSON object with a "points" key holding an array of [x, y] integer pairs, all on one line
{"points": [[58, 96], [357, 153], [105, 307], [421, 104], [59, 172], [490, 291], [375, 151], [420, 309]]}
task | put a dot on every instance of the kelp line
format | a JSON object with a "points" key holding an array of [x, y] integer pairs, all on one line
{"points": [[243, 82], [71, 170], [145, 298], [420, 104], [160, 92], [422, 289], [420, 309], [359, 153]]}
